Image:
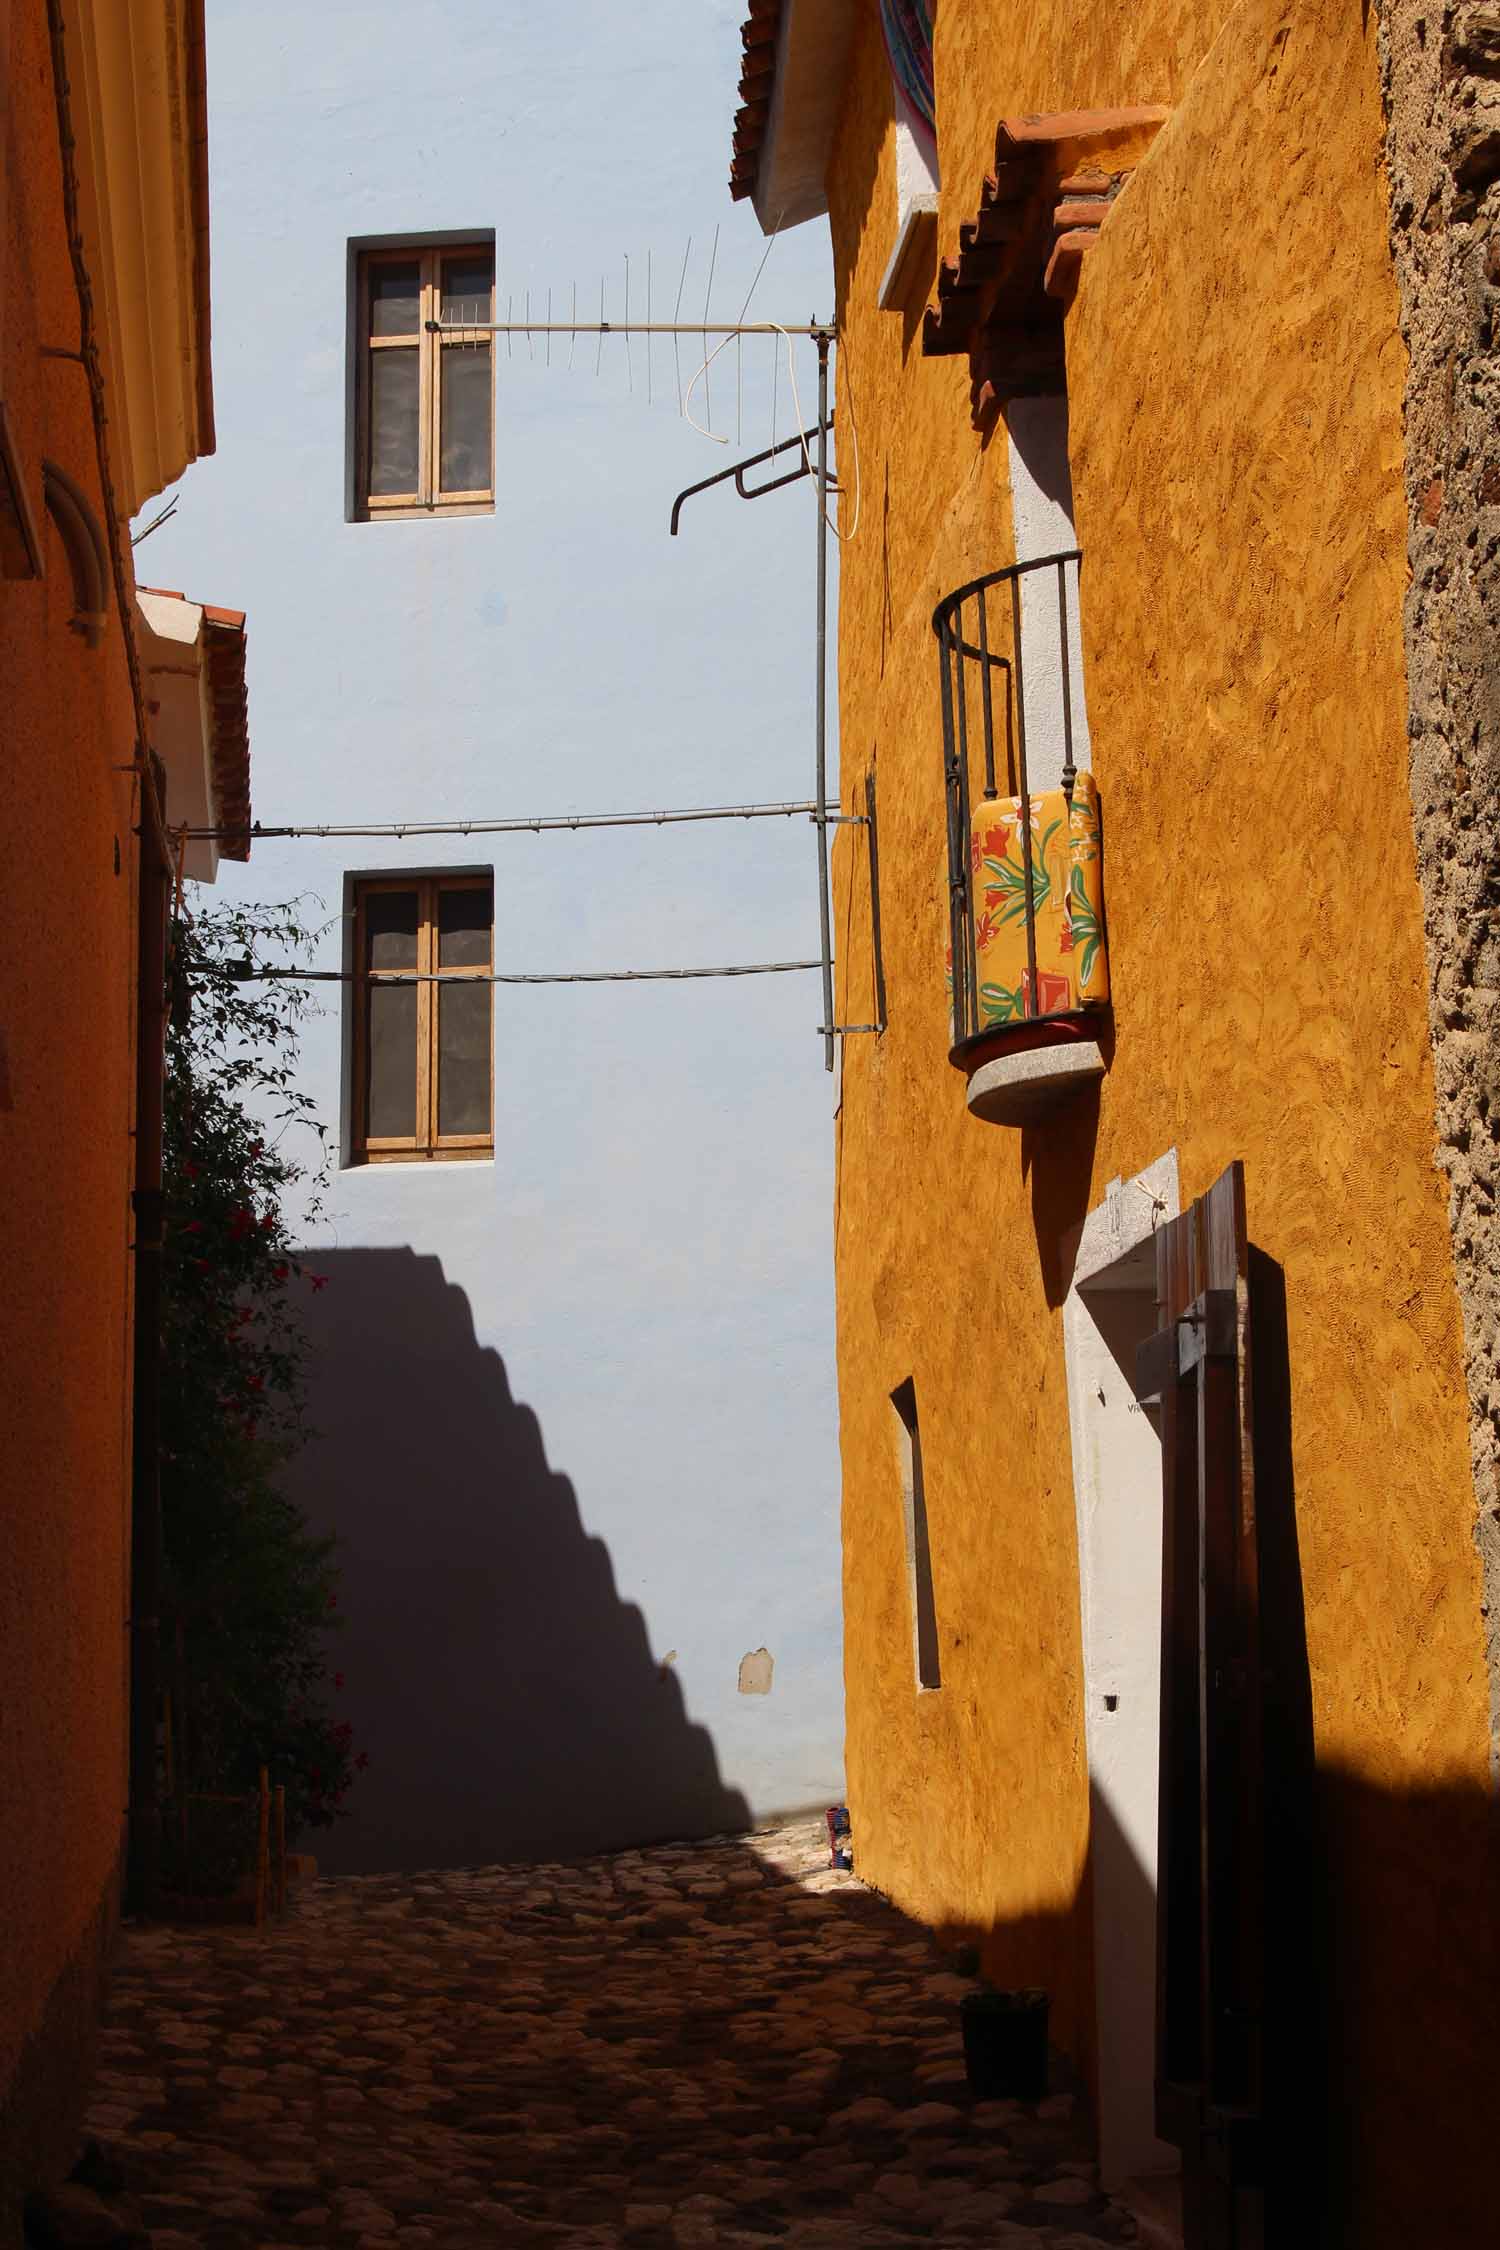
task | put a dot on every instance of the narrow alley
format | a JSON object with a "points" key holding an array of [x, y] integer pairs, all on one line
{"points": [[727, 2043]]}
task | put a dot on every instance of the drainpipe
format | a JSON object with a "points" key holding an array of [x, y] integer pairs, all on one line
{"points": [[820, 769], [143, 1866]]}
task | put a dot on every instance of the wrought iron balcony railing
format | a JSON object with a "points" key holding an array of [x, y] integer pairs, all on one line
{"points": [[1027, 959]]}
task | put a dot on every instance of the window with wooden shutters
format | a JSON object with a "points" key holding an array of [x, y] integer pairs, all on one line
{"points": [[425, 425], [423, 1063]]}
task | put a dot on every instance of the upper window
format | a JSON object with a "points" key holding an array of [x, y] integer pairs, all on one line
{"points": [[425, 436], [907, 25], [423, 1064]]}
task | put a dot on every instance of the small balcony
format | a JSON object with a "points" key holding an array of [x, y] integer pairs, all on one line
{"points": [[1028, 963]]}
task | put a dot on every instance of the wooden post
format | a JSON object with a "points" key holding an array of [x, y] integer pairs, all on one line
{"points": [[143, 1873], [262, 1848], [278, 1832]]}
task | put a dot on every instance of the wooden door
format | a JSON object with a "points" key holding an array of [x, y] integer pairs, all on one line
{"points": [[1210, 1867]]}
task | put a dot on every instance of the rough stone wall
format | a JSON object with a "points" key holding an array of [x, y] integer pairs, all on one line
{"points": [[1440, 70]]}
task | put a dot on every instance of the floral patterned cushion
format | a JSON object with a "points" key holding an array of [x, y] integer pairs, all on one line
{"points": [[1071, 962]]}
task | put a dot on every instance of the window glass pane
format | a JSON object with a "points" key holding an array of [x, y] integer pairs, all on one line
{"points": [[465, 463], [395, 299], [390, 929], [466, 287], [463, 1056], [464, 919], [391, 1088], [394, 417]]}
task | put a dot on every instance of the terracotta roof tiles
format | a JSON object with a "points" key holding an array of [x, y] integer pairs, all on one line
{"points": [[758, 36], [1001, 300]]}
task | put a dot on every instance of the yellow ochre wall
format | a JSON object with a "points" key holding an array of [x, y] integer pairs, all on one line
{"points": [[1235, 378]]}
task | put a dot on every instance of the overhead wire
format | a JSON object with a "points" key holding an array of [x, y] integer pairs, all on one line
{"points": [[250, 974], [88, 355], [532, 824]]}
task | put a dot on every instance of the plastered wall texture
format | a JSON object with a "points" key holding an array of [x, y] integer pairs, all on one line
{"points": [[1440, 75], [638, 1290], [1235, 378], [66, 1017]]}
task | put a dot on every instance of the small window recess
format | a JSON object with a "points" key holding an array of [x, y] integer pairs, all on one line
{"points": [[918, 1548], [908, 272]]}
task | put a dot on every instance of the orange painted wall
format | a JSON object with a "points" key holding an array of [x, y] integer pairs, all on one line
{"points": [[67, 883], [1235, 378]]}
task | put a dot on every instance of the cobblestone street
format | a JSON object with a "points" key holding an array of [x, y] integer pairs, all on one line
{"points": [[728, 2043]]}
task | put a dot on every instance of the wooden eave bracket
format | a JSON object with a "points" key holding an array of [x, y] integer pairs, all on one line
{"points": [[1002, 299]]}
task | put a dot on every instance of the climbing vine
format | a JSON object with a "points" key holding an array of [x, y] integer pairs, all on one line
{"points": [[249, 1590]]}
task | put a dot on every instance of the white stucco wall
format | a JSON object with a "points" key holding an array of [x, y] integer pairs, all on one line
{"points": [[648, 1258], [1110, 1309], [1041, 487]]}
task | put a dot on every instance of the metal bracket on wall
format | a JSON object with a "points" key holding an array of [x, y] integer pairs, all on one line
{"points": [[735, 474], [815, 464], [867, 822]]}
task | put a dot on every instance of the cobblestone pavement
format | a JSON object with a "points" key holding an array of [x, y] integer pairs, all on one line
{"points": [[726, 2043]]}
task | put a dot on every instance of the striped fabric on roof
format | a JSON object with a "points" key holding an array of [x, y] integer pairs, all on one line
{"points": [[908, 37]]}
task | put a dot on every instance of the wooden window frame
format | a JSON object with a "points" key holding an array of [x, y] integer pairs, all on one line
{"points": [[427, 1143], [428, 499]]}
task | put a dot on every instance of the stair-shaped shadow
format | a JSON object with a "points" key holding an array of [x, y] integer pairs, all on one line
{"points": [[506, 1696]]}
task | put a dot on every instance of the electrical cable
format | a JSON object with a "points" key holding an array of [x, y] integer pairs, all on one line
{"points": [[714, 438], [540, 824], [88, 354], [252, 975]]}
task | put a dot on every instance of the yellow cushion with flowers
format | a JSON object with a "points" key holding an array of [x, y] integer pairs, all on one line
{"points": [[1072, 966]]}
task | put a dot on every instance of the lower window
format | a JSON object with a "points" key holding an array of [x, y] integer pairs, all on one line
{"points": [[423, 1060]]}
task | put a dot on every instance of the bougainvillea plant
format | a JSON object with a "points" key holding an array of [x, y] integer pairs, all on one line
{"points": [[249, 1590]]}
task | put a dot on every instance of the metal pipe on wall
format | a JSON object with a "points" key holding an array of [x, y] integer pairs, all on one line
{"points": [[148, 1203], [820, 785]]}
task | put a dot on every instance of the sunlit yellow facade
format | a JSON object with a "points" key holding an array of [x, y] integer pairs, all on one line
{"points": [[1231, 375]]}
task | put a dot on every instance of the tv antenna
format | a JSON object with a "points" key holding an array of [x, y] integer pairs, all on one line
{"points": [[812, 442]]}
